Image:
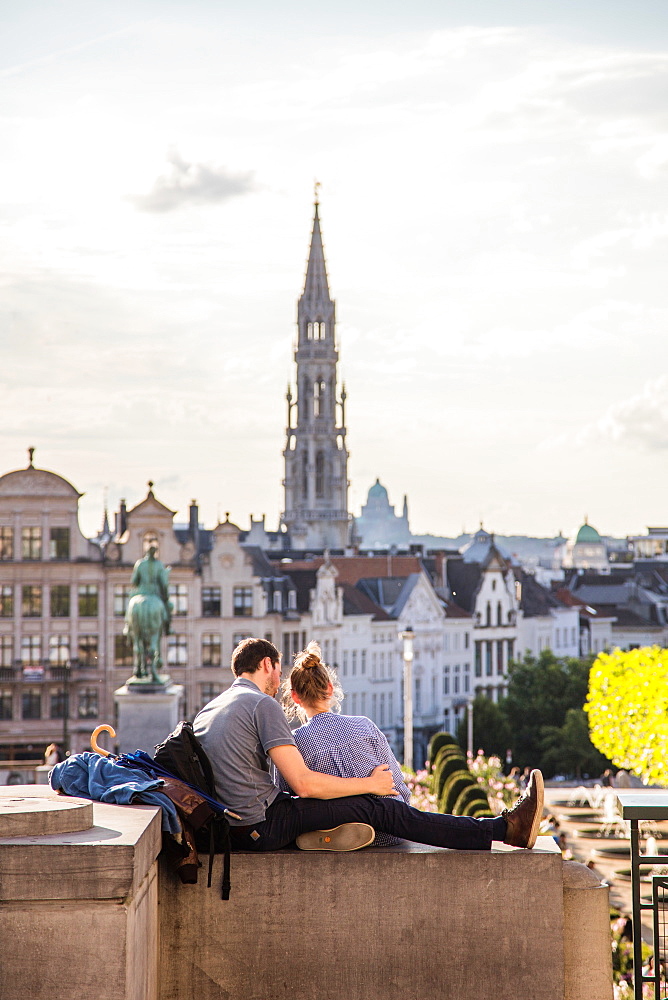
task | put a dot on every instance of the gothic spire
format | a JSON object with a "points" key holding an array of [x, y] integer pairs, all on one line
{"points": [[316, 287]]}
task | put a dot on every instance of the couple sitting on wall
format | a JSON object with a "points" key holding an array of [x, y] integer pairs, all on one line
{"points": [[337, 784]]}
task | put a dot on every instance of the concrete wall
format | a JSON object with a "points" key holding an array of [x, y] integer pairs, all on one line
{"points": [[401, 924], [78, 911], [90, 915]]}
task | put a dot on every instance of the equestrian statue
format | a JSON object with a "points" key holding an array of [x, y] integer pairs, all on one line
{"points": [[148, 617]]}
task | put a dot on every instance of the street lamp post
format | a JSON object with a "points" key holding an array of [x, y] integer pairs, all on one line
{"points": [[407, 638], [66, 707]]}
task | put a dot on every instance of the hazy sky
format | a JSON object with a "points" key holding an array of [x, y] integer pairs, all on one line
{"points": [[494, 208]]}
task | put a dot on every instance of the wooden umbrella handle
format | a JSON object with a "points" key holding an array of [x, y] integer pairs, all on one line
{"points": [[93, 739]]}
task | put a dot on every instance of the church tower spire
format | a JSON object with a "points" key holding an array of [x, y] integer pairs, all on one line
{"points": [[316, 459]]}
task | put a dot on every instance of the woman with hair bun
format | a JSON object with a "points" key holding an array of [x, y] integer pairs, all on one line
{"points": [[346, 746]]}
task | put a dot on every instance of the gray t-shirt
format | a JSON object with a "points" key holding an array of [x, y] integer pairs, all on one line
{"points": [[237, 729]]}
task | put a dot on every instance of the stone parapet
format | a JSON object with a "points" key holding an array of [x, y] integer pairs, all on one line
{"points": [[79, 910]]}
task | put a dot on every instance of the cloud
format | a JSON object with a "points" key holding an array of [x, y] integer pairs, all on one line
{"points": [[192, 184], [640, 420]]}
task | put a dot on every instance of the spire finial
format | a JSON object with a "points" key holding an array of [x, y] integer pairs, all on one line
{"points": [[316, 191], [31, 452], [150, 487]]}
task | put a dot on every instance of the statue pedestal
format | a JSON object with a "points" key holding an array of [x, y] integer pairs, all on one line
{"points": [[146, 715]]}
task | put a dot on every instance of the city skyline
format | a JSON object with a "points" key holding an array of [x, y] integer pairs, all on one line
{"points": [[494, 217]]}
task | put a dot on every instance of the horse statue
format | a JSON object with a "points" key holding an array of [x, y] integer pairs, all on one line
{"points": [[148, 616]]}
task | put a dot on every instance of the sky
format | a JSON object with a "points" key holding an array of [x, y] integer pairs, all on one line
{"points": [[494, 208]]}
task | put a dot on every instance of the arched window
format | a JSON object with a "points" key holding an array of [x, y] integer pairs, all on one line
{"points": [[499, 614], [488, 615], [320, 474], [309, 331]]}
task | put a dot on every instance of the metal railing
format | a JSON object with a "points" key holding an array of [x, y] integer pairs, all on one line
{"points": [[637, 806]]}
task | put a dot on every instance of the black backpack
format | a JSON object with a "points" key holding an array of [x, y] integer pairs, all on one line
{"points": [[182, 754]]}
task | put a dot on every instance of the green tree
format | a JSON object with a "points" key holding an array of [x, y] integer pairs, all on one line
{"points": [[540, 693], [491, 732], [627, 706], [568, 749]]}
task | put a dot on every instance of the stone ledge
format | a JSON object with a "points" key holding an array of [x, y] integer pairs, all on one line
{"points": [[107, 861], [407, 923]]}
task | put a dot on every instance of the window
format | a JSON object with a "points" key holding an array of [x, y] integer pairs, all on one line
{"points": [[499, 613], [6, 651], [345, 662], [292, 600], [418, 696], [31, 543], [6, 543], [499, 656], [87, 707], [31, 601], [31, 651], [178, 594], [318, 397], [31, 704], [455, 684], [121, 598], [243, 602], [211, 602], [363, 703], [478, 659], [278, 600], [320, 474], [363, 661], [208, 692], [60, 600], [353, 704], [488, 614], [6, 601], [57, 704], [488, 659], [240, 636], [151, 540], [177, 650], [87, 650], [59, 651], [122, 651], [446, 680], [374, 707], [88, 600], [60, 543], [354, 663], [381, 721], [6, 707], [211, 650]]}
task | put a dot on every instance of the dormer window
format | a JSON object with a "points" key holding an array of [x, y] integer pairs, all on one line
{"points": [[278, 600]]}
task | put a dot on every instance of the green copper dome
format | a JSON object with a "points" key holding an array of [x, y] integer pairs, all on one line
{"points": [[588, 534]]}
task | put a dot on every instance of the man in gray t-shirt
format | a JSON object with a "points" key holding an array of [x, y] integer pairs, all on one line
{"points": [[244, 731], [237, 730]]}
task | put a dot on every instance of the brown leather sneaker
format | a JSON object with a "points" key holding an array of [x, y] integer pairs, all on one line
{"points": [[347, 837], [524, 818]]}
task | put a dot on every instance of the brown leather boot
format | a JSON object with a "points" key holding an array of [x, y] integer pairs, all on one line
{"points": [[524, 818]]}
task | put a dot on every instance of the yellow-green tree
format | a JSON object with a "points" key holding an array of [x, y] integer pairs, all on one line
{"points": [[627, 706]]}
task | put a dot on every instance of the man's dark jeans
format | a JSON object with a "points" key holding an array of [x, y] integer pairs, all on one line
{"points": [[289, 816]]}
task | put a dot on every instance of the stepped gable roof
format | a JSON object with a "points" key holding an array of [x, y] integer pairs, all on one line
{"points": [[536, 600], [357, 602], [464, 581]]}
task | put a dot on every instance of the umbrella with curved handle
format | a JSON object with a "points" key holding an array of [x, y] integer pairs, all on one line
{"points": [[93, 740]]}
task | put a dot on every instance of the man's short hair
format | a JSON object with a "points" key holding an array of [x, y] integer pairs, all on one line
{"points": [[248, 655]]}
